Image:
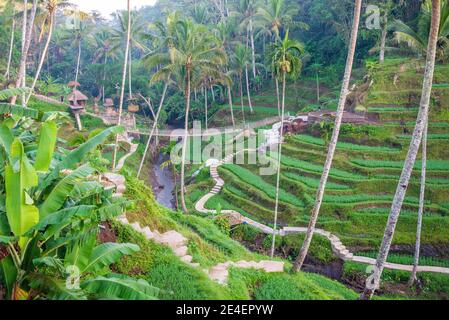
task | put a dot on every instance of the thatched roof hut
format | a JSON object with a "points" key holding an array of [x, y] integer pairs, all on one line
{"points": [[78, 99], [73, 84]]}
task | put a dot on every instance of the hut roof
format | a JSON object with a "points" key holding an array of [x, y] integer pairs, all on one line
{"points": [[109, 102], [73, 84], [77, 96]]}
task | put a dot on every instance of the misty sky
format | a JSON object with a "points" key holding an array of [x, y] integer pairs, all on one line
{"points": [[106, 7]]}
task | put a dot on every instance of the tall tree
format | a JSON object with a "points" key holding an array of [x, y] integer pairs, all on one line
{"points": [[122, 88], [333, 143], [11, 43], [286, 61], [239, 63], [415, 143]]}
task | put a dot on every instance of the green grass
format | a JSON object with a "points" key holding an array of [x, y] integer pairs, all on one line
{"points": [[432, 165], [344, 145], [407, 259], [314, 182], [433, 136], [257, 182]]}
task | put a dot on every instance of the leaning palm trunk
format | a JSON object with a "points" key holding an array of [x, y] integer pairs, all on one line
{"points": [[230, 105], [184, 143], [122, 93], [317, 88], [411, 156], [383, 39], [153, 129], [253, 50], [104, 76], [78, 62], [11, 47], [26, 42], [241, 98], [44, 54], [248, 93], [277, 96], [421, 206], [278, 178], [205, 107], [333, 143]]}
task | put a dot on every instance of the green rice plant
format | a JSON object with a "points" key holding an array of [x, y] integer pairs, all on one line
{"points": [[257, 182], [407, 259], [343, 145], [313, 182], [432, 165]]}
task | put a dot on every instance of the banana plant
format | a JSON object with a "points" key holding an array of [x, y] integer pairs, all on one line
{"points": [[51, 206]]}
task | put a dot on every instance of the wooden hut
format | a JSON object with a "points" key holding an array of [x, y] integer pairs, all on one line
{"points": [[77, 100], [109, 105]]}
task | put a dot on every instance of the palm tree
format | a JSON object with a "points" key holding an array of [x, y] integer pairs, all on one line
{"points": [[421, 205], [286, 61], [80, 32], [239, 62], [49, 13], [275, 15], [248, 10], [333, 143], [27, 28], [417, 39], [11, 44], [387, 5], [122, 88], [415, 143], [193, 52], [316, 67]]}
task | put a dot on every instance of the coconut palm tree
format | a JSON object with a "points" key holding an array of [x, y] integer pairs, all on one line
{"points": [[421, 205], [417, 39], [82, 30], [122, 88], [275, 15], [12, 19], [415, 143], [193, 52], [48, 16], [27, 28], [240, 59], [286, 61], [248, 10], [333, 143]]}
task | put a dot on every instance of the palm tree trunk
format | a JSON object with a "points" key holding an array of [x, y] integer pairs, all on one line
{"points": [[421, 206], [253, 50], [153, 129], [11, 47], [248, 93], [44, 54], [104, 75], [78, 62], [130, 77], [276, 81], [184, 143], [412, 153], [122, 93], [231, 106], [26, 41], [278, 178], [333, 143], [317, 88], [205, 106], [241, 98], [383, 39]]}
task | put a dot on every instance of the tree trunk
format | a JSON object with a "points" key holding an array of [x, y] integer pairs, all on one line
{"points": [[122, 93], [317, 88], [278, 178], [104, 75], [78, 62], [184, 143], [130, 77], [205, 106], [248, 93], [153, 129], [26, 41], [383, 39], [44, 54], [11, 47], [253, 50], [421, 206], [231, 106], [333, 143], [415, 143], [241, 98], [277, 96]]}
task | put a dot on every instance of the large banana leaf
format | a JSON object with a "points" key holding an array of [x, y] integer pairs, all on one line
{"points": [[9, 93], [77, 155], [19, 177], [47, 143], [120, 288], [63, 189], [80, 250], [6, 138], [16, 110], [55, 288], [107, 254], [8, 274]]}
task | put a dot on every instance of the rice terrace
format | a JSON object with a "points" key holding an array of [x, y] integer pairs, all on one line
{"points": [[231, 150]]}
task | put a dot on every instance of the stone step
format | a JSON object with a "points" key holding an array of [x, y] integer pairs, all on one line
{"points": [[181, 251], [187, 259], [136, 226], [147, 232], [194, 265], [173, 239]]}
